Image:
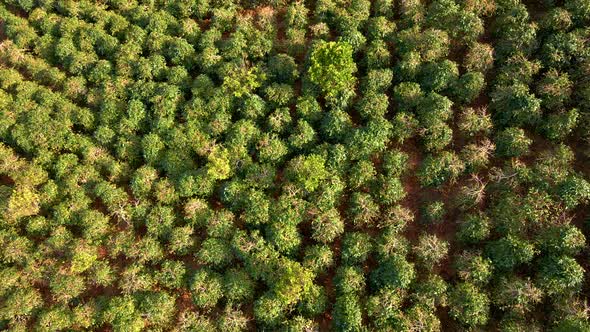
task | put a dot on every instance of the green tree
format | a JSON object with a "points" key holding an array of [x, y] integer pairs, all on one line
{"points": [[268, 310], [461, 24], [421, 317], [408, 67], [143, 180], [395, 163], [395, 271], [468, 87], [65, 288], [349, 280], [390, 190], [180, 239], [232, 320], [518, 69], [431, 292], [378, 55], [405, 126], [123, 315], [356, 247], [433, 108], [158, 307], [171, 274], [438, 169], [437, 137], [285, 237], [380, 28], [192, 321], [218, 166], [313, 301], [558, 126], [560, 275], [152, 147], [362, 209], [215, 252], [567, 240], [433, 212], [271, 149], [512, 142], [134, 278], [327, 225], [21, 303], [473, 121], [332, 69], [55, 318], [438, 76], [303, 135], [479, 57], [242, 81], [206, 288], [390, 243], [373, 105], [282, 68], [515, 105], [83, 258], [580, 10], [384, 307], [474, 228], [347, 313], [509, 252], [377, 80], [335, 124], [307, 171], [238, 286], [517, 295], [555, 89], [279, 95], [557, 19], [573, 191], [472, 267], [300, 323], [514, 31], [362, 173], [318, 258], [469, 305]]}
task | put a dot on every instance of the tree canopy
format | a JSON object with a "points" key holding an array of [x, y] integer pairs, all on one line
{"points": [[327, 165]]}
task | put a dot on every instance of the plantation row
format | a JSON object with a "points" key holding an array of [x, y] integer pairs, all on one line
{"points": [[345, 165]]}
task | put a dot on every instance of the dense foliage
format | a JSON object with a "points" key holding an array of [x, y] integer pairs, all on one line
{"points": [[346, 165]]}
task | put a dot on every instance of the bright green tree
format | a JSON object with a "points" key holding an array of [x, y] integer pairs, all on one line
{"points": [[332, 69]]}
